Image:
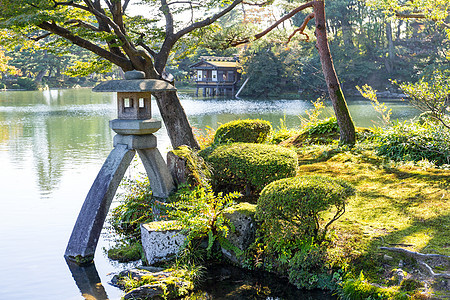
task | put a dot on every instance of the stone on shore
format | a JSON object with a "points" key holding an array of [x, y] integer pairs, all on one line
{"points": [[154, 283]]}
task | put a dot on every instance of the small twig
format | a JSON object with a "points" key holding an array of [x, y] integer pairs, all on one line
{"points": [[302, 28], [79, 23], [184, 2], [40, 37], [257, 4]]}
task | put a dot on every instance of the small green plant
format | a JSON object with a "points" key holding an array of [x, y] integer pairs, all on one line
{"points": [[313, 114], [289, 208], [307, 268], [200, 212], [244, 131], [414, 141], [136, 207], [369, 93], [320, 127], [250, 167], [432, 95], [360, 289], [282, 133]]}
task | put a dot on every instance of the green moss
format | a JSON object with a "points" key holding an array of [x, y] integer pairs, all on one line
{"points": [[199, 172], [243, 131], [244, 208], [126, 252], [163, 225], [82, 260]]}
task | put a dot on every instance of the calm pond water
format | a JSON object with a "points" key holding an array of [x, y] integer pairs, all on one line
{"points": [[52, 144]]}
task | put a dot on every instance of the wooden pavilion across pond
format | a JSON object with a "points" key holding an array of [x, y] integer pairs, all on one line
{"points": [[216, 75]]}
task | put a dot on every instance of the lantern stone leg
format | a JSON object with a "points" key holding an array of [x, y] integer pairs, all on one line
{"points": [[87, 229]]}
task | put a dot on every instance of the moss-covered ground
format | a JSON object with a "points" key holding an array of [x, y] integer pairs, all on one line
{"points": [[398, 205]]}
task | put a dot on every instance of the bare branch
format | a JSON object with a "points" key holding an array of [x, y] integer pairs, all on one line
{"points": [[63, 32], [39, 37], [169, 18], [207, 21], [257, 4], [147, 48], [274, 25], [70, 3], [284, 18], [401, 15], [184, 2], [79, 23], [302, 28], [125, 6]]}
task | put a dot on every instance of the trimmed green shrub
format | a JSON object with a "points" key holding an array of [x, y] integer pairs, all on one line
{"points": [[415, 141], [289, 208], [243, 131], [243, 165]]}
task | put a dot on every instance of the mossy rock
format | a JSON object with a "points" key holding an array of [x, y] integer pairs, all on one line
{"points": [[247, 166], [243, 131], [126, 252]]}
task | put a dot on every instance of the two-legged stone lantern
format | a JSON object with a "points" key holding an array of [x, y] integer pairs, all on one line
{"points": [[134, 127]]}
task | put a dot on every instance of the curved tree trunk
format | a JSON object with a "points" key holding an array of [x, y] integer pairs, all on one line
{"points": [[344, 120], [177, 125]]}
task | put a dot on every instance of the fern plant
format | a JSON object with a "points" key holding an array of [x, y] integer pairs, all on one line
{"points": [[200, 212]]}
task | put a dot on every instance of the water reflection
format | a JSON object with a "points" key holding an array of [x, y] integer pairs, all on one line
{"points": [[225, 282], [88, 282], [55, 129]]}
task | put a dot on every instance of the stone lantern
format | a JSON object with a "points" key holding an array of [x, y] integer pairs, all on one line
{"points": [[134, 127]]}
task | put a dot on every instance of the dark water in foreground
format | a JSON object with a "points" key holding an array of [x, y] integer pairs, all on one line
{"points": [[52, 144], [230, 283]]}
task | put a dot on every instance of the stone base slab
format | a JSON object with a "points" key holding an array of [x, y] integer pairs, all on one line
{"points": [[158, 243]]}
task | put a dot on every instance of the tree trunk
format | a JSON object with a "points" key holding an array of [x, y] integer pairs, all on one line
{"points": [[177, 125], [347, 34], [344, 120], [390, 59], [40, 75]]}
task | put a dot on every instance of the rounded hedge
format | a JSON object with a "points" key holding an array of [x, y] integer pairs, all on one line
{"points": [[245, 165], [290, 207], [243, 131]]}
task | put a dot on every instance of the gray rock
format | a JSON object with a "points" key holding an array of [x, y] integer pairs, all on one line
{"points": [[162, 282], [243, 235]]}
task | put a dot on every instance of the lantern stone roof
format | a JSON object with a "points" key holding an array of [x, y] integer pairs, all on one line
{"points": [[134, 82], [135, 85]]}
